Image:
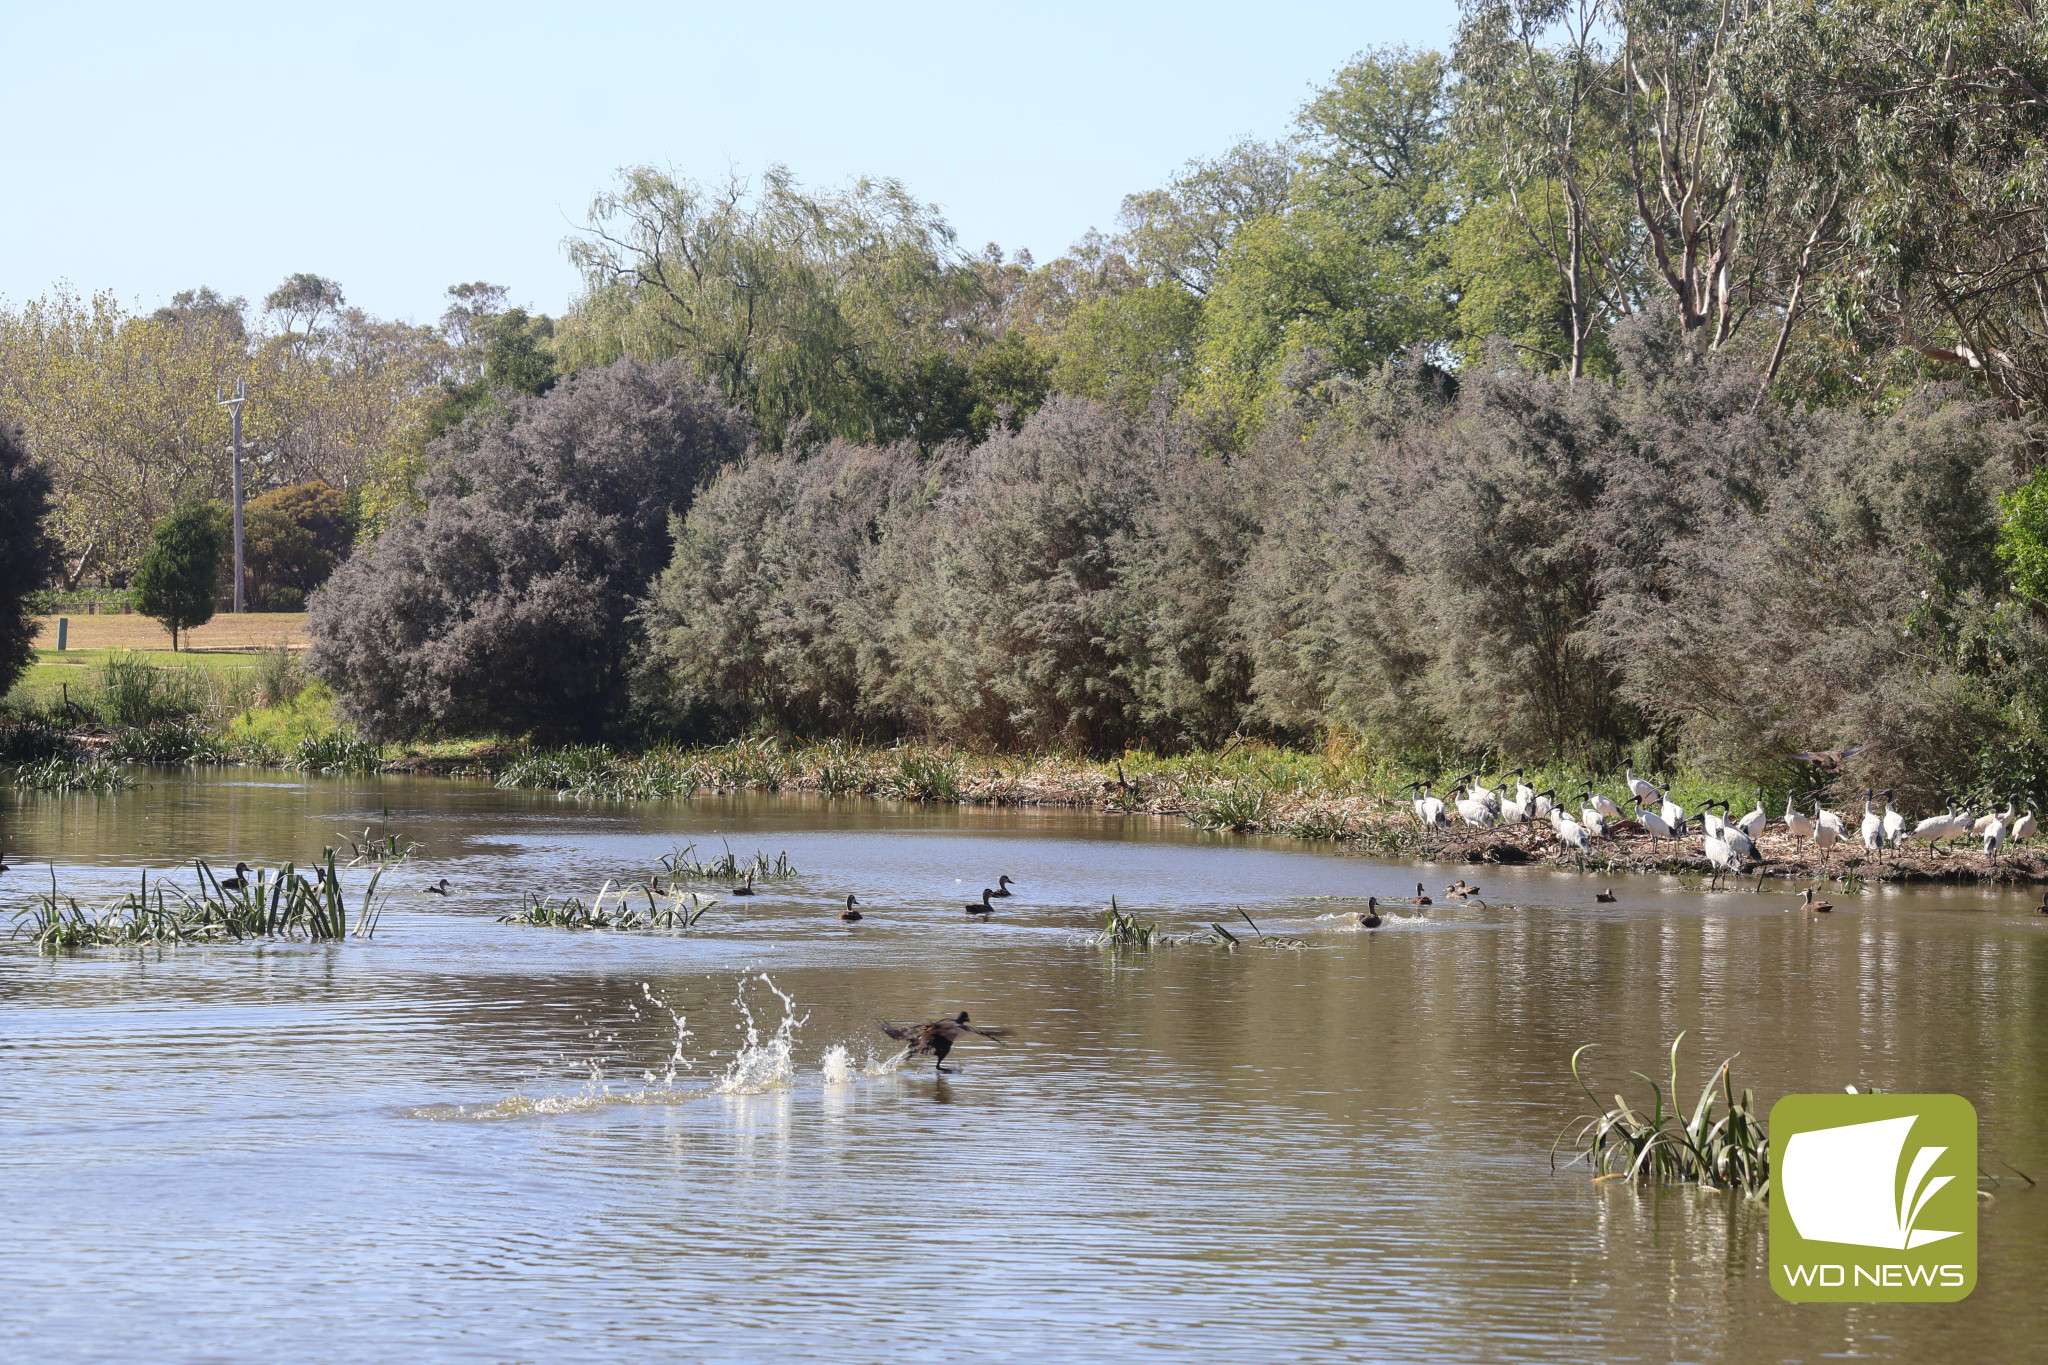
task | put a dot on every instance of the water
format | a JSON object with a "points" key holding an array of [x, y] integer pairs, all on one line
{"points": [[466, 1140]]}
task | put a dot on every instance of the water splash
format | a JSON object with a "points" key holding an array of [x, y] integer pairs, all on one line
{"points": [[756, 1065]]}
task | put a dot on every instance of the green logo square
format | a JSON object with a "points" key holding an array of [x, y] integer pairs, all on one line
{"points": [[1873, 1198]]}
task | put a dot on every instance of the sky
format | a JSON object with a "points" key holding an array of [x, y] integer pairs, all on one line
{"points": [[402, 148]]}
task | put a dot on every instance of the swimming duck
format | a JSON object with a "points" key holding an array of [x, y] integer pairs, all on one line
{"points": [[238, 881], [439, 888], [849, 914], [1421, 899], [1002, 888], [1605, 897], [747, 889], [1371, 918], [936, 1039], [1817, 907], [984, 908]]}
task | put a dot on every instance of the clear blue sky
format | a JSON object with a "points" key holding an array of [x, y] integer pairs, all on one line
{"points": [[402, 148]]}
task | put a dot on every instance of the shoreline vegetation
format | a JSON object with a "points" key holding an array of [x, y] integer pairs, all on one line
{"points": [[1346, 795]]}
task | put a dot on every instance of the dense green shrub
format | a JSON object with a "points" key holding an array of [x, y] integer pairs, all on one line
{"points": [[28, 555]]}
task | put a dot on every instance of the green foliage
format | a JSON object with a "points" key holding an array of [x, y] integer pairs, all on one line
{"points": [[176, 578], [286, 905], [2023, 536], [291, 540], [64, 773], [28, 555], [1664, 1145]]}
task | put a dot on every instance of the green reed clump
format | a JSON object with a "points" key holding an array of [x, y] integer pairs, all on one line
{"points": [[288, 905], [337, 751], [683, 862], [672, 910], [558, 769], [1122, 930], [926, 777], [167, 741], [64, 773], [742, 765], [1240, 806], [132, 691], [1664, 1146]]}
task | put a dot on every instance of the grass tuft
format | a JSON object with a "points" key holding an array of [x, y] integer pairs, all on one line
{"points": [[1662, 1146]]}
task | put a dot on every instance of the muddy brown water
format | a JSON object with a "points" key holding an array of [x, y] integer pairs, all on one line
{"points": [[467, 1140]]}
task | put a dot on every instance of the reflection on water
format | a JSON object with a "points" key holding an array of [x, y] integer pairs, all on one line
{"points": [[469, 1140]]}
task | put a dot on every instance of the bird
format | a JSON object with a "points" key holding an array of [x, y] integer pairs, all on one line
{"points": [[747, 889], [1994, 837], [1472, 811], [1429, 810], [984, 908], [1605, 897], [1371, 918], [1523, 791], [1829, 761], [1604, 803], [1658, 827], [1674, 815], [1644, 791], [1933, 827], [3, 863], [1593, 818], [1752, 824], [1873, 826], [1546, 802], [238, 881], [2043, 906], [849, 914], [1421, 899], [1460, 890], [1984, 820], [439, 888], [1516, 812], [1484, 795], [1893, 821], [1002, 888], [1573, 834], [1827, 827], [1721, 854], [1798, 824], [1817, 907], [1737, 838], [936, 1039], [2023, 828]]}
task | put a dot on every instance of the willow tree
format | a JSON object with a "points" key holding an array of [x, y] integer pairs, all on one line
{"points": [[792, 304]]}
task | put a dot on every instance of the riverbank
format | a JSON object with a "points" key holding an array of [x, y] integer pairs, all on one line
{"points": [[1347, 796]]}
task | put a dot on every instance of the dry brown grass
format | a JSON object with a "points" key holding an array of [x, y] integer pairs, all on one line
{"points": [[225, 632]]}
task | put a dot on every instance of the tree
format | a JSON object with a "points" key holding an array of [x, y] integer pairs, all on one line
{"points": [[292, 540], [28, 555], [791, 304], [508, 605], [176, 578]]}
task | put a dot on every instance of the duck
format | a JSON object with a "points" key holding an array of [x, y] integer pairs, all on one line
{"points": [[747, 889], [439, 888], [1605, 897], [1371, 918], [984, 908], [1817, 907], [2043, 906], [936, 1039], [1002, 888], [1460, 890], [3, 863], [1421, 899], [849, 914], [238, 881]]}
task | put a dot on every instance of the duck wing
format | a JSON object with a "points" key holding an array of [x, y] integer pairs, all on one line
{"points": [[991, 1033]]}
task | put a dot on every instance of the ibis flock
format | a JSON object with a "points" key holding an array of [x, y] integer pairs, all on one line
{"points": [[1728, 841]]}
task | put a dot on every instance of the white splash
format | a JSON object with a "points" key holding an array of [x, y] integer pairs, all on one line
{"points": [[757, 1065]]}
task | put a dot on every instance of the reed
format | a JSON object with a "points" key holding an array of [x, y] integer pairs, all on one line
{"points": [[287, 905], [1663, 1146], [277, 676], [1241, 806], [64, 773], [683, 862], [379, 845], [671, 911], [1121, 930], [924, 776], [335, 752]]}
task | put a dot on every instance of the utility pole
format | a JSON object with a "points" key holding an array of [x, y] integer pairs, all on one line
{"points": [[234, 407]]}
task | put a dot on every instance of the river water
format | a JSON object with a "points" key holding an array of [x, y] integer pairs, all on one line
{"points": [[467, 1140]]}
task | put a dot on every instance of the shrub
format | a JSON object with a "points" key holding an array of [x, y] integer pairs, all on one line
{"points": [[506, 606], [28, 555], [292, 538]]}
